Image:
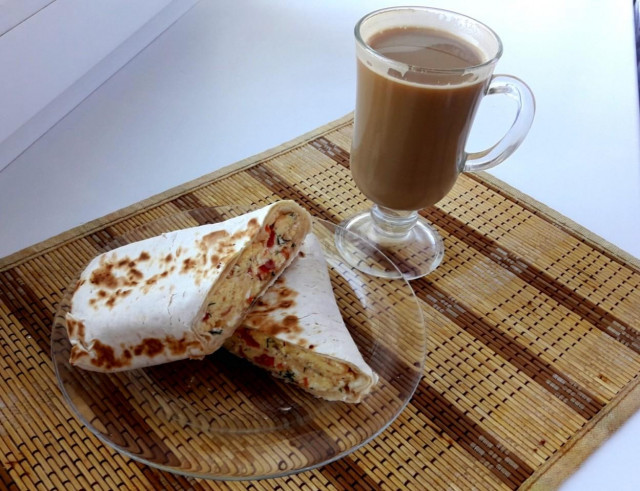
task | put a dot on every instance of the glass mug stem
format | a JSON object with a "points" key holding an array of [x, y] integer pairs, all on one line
{"points": [[393, 224]]}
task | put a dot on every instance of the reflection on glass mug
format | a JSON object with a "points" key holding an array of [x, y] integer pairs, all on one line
{"points": [[421, 73]]}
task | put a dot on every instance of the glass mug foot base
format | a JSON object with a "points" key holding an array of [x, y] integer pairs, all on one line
{"points": [[415, 255]]}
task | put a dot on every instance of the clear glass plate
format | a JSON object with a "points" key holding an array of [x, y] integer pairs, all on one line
{"points": [[221, 417]]}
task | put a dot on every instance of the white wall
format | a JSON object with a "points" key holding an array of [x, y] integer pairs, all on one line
{"points": [[53, 54]]}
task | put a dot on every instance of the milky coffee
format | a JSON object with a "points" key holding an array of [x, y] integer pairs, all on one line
{"points": [[411, 129]]}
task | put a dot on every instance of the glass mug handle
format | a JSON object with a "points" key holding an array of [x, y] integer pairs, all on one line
{"points": [[518, 90]]}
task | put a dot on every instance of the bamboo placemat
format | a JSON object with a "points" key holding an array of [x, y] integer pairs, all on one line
{"points": [[533, 327]]}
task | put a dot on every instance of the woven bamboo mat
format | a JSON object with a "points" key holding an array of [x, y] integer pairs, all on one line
{"points": [[533, 325]]}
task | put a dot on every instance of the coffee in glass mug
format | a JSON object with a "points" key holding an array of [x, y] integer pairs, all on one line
{"points": [[421, 75], [421, 118]]}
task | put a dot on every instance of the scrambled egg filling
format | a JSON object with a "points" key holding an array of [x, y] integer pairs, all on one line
{"points": [[253, 270], [318, 374]]}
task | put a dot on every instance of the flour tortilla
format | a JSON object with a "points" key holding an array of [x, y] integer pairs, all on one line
{"points": [[296, 332], [181, 294]]}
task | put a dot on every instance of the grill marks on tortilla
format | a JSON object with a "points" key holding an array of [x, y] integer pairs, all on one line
{"points": [[269, 314], [75, 328], [104, 356], [213, 237], [209, 251], [188, 265], [103, 276], [117, 277]]}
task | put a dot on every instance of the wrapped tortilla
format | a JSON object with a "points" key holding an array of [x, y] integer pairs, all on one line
{"points": [[296, 332], [181, 294]]}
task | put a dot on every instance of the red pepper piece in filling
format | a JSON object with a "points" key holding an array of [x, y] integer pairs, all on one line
{"points": [[245, 335], [272, 236], [264, 360], [267, 267]]}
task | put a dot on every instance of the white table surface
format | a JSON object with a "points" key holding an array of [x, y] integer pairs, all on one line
{"points": [[231, 79]]}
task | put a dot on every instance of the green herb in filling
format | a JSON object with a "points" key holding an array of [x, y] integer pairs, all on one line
{"points": [[281, 240], [289, 376]]}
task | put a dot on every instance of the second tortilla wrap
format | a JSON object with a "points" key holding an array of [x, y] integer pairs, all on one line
{"points": [[296, 332]]}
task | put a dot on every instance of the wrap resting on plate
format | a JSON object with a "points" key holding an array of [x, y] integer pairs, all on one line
{"points": [[181, 294], [296, 332]]}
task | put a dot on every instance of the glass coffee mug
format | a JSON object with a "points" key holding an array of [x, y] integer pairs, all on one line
{"points": [[421, 73]]}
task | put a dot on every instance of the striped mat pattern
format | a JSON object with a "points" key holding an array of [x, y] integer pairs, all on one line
{"points": [[533, 326]]}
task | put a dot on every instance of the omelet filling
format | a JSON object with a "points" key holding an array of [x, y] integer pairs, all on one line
{"points": [[256, 267], [319, 375]]}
